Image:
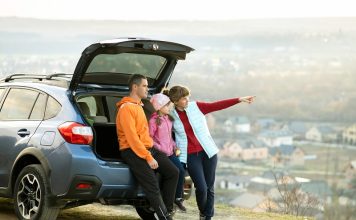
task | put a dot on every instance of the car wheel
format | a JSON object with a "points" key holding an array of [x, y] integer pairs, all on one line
{"points": [[31, 195], [145, 213]]}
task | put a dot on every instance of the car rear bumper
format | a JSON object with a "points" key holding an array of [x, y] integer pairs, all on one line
{"points": [[75, 164]]}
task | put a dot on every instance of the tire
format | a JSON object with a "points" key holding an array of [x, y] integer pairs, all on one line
{"points": [[145, 213], [31, 195]]}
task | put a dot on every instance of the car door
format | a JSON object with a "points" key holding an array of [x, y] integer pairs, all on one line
{"points": [[20, 115], [109, 64]]}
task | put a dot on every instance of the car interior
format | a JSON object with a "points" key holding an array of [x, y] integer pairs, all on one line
{"points": [[100, 113]]}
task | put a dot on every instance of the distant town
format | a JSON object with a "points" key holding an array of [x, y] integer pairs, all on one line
{"points": [[262, 161]]}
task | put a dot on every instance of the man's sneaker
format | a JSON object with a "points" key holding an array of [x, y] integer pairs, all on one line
{"points": [[171, 212], [201, 217], [179, 203], [169, 216]]}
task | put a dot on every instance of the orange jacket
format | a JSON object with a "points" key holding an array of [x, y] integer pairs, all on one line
{"points": [[132, 128]]}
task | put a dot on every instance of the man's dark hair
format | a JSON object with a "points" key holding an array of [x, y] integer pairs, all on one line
{"points": [[135, 80]]}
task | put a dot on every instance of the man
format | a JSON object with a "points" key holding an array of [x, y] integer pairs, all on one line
{"points": [[137, 150]]}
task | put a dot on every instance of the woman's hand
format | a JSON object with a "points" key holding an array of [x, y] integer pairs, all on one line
{"points": [[248, 99], [177, 151]]}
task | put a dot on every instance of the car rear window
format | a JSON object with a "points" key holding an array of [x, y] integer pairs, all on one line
{"points": [[127, 63]]}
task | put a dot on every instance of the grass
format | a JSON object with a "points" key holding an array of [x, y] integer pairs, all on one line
{"points": [[98, 212]]}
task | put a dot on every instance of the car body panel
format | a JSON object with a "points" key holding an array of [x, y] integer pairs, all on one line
{"points": [[12, 144]]}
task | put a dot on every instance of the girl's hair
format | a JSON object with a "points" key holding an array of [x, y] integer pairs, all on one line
{"points": [[158, 119], [176, 93]]}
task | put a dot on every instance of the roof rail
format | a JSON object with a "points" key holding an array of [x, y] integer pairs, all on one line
{"points": [[23, 76], [39, 77], [59, 75]]}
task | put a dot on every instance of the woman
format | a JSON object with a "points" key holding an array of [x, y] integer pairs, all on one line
{"points": [[160, 126], [198, 149]]}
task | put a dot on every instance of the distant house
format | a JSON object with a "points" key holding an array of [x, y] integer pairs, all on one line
{"points": [[269, 180], [245, 149], [310, 194], [264, 124], [237, 124], [239, 182], [280, 177], [318, 188], [265, 182], [298, 129], [350, 171], [349, 135], [286, 155], [260, 184], [276, 138], [321, 134], [254, 202]]}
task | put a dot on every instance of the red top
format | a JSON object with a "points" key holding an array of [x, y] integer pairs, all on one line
{"points": [[193, 143]]}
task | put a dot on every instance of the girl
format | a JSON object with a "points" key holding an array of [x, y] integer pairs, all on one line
{"points": [[160, 126]]}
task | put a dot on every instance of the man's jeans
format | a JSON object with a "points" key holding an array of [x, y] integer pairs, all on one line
{"points": [[160, 200]]}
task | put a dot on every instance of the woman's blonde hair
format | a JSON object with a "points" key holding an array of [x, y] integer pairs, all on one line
{"points": [[176, 93]]}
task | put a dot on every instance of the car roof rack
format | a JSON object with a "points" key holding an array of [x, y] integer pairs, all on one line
{"points": [[39, 77], [59, 76]]}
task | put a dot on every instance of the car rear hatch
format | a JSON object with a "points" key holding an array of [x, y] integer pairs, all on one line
{"points": [[109, 64]]}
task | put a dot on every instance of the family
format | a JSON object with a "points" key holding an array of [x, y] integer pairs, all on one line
{"points": [[149, 147]]}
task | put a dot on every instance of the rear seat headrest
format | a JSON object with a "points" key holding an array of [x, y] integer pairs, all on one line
{"points": [[99, 119], [84, 108]]}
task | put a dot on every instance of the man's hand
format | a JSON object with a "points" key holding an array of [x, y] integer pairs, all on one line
{"points": [[248, 99], [153, 164]]}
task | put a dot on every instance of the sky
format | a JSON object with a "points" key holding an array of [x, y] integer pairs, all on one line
{"points": [[175, 10]]}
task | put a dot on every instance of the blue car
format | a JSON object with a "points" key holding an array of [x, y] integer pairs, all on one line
{"points": [[58, 141]]}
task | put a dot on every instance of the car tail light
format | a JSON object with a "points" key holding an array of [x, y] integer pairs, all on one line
{"points": [[76, 133], [83, 186]]}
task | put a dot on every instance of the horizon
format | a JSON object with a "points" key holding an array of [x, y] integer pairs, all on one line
{"points": [[179, 20]]}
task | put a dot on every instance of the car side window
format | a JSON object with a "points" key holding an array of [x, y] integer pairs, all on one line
{"points": [[1, 92], [18, 104], [52, 109], [38, 109]]}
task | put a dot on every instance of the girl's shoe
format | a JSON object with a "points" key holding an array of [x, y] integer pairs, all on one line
{"points": [[179, 203]]}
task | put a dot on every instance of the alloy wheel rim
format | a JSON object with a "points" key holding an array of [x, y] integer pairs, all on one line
{"points": [[29, 196]]}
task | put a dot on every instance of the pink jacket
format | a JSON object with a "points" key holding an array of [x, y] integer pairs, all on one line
{"points": [[162, 134]]}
